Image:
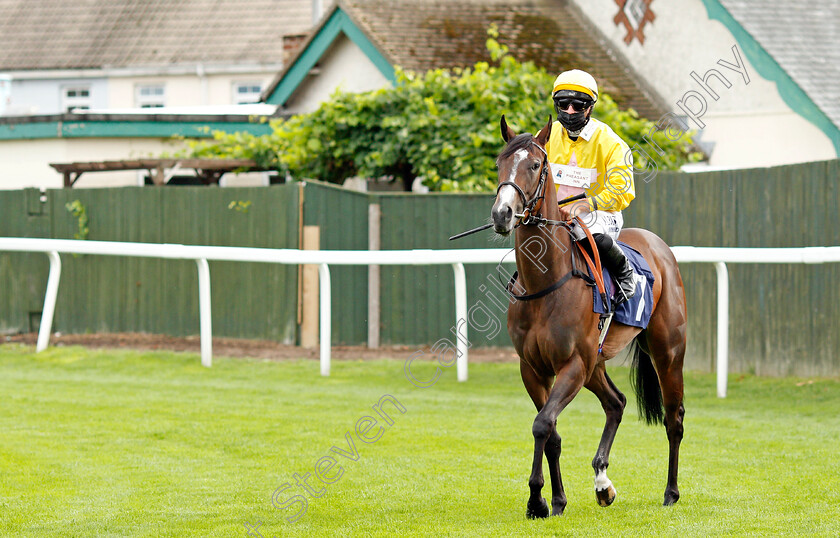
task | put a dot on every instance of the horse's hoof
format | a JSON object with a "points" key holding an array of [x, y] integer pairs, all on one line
{"points": [[557, 509], [537, 510], [671, 497], [605, 497]]}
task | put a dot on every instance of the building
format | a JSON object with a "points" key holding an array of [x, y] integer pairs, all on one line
{"points": [[118, 79]]}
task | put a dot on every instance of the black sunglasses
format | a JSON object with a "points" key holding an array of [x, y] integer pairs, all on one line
{"points": [[578, 105]]}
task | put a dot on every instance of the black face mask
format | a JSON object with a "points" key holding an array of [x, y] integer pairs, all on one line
{"points": [[573, 123]]}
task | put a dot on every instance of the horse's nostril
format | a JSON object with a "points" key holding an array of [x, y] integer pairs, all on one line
{"points": [[502, 214]]}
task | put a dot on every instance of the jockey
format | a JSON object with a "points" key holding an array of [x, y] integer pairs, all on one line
{"points": [[586, 155]]}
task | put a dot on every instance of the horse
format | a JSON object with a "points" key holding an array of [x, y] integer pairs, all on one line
{"points": [[556, 333]]}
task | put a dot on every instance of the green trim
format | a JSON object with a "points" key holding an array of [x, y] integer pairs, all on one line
{"points": [[124, 129], [338, 22], [768, 68]]}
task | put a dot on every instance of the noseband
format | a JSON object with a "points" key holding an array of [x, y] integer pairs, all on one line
{"points": [[532, 206]]}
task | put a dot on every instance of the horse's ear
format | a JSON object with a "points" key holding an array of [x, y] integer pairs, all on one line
{"points": [[507, 132], [545, 132]]}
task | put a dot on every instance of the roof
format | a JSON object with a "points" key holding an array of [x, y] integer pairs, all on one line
{"points": [[419, 35], [803, 36], [54, 34], [108, 125]]}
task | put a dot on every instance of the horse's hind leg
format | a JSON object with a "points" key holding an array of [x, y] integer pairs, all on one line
{"points": [[671, 381], [668, 350], [613, 402]]}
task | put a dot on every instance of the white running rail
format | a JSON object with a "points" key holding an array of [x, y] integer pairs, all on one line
{"points": [[325, 258]]}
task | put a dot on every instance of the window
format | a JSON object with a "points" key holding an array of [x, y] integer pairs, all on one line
{"points": [[75, 97], [149, 96], [246, 92]]}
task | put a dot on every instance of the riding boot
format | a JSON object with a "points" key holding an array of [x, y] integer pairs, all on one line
{"points": [[615, 260]]}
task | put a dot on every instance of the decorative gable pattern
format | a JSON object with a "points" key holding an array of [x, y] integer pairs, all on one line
{"points": [[634, 15]]}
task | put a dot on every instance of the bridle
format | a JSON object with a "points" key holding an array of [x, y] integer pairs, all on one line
{"points": [[530, 214]]}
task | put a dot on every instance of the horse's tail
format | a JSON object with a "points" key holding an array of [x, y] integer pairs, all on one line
{"points": [[646, 386]]}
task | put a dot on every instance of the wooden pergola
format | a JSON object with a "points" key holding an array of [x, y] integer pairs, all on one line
{"points": [[209, 171]]}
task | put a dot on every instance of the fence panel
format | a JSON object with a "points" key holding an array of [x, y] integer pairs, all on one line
{"points": [[159, 296], [417, 301], [342, 217], [23, 277]]}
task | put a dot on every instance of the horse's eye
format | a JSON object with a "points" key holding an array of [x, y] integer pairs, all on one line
{"points": [[535, 166]]}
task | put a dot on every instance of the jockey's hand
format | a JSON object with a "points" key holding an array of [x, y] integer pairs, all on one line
{"points": [[570, 211]]}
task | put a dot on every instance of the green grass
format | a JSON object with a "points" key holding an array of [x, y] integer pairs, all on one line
{"points": [[122, 443]]}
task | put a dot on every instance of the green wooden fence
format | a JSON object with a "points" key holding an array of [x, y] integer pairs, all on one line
{"points": [[784, 318], [100, 294]]}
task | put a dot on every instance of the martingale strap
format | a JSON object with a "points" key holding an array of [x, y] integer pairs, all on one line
{"points": [[557, 285]]}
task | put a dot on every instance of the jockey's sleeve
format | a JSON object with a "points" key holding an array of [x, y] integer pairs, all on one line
{"points": [[618, 188]]}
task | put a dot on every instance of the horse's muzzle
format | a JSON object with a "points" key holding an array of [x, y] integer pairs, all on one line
{"points": [[502, 218]]}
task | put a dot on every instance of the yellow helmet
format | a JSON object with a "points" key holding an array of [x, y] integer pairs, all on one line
{"points": [[576, 80]]}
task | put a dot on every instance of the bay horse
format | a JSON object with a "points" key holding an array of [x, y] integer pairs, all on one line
{"points": [[556, 334]]}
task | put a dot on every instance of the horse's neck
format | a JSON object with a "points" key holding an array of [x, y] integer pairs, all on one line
{"points": [[544, 251]]}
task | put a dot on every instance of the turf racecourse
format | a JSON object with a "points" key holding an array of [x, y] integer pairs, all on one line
{"points": [[122, 443]]}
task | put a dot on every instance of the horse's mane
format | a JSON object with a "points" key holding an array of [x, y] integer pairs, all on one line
{"points": [[521, 141]]}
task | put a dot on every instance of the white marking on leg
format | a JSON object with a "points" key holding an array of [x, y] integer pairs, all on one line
{"points": [[601, 481]]}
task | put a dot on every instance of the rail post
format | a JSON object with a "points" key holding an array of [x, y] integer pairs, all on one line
{"points": [[205, 319], [50, 298]]}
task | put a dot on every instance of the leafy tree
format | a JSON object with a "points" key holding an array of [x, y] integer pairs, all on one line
{"points": [[440, 125]]}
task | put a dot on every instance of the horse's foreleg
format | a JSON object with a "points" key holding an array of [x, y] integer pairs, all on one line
{"points": [[538, 388], [568, 383], [552, 454], [613, 402]]}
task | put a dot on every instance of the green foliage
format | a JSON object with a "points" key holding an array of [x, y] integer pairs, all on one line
{"points": [[441, 125], [242, 206], [78, 210]]}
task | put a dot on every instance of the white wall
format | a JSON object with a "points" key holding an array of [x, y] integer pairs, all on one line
{"points": [[749, 123], [25, 163], [343, 66], [185, 90]]}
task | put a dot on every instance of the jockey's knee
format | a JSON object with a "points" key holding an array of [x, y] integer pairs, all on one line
{"points": [[604, 241]]}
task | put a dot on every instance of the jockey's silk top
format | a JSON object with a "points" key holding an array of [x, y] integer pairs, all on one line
{"points": [[598, 155]]}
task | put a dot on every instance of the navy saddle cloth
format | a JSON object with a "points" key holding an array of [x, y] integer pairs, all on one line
{"points": [[637, 310]]}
